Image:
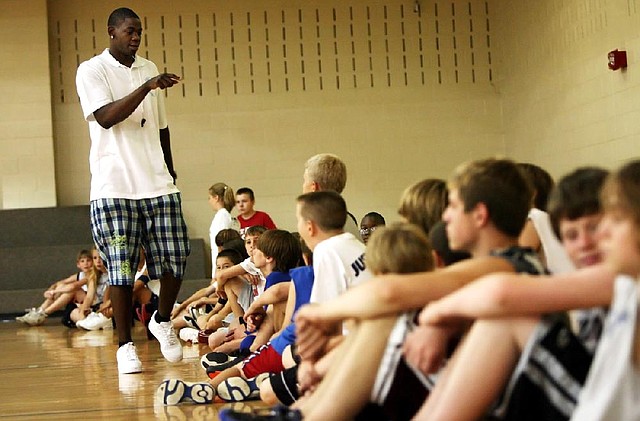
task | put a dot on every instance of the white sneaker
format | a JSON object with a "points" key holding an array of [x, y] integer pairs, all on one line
{"points": [[189, 334], [95, 321], [169, 344], [128, 361], [33, 317], [27, 311], [84, 323]]}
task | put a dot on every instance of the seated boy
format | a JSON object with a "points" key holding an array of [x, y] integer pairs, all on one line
{"points": [[369, 223], [611, 390], [247, 215], [260, 324], [245, 269], [488, 205], [338, 256], [196, 304], [61, 293], [226, 315], [550, 362], [399, 248]]}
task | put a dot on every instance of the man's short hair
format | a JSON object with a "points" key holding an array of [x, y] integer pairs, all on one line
{"points": [[328, 171], [501, 186], [577, 194], [327, 209], [121, 14], [283, 247], [247, 191], [398, 248]]}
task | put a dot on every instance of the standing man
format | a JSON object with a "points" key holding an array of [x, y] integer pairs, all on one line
{"points": [[134, 201]]}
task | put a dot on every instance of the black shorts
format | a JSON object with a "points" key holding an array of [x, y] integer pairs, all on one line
{"points": [[66, 316], [285, 385], [406, 394], [549, 376]]}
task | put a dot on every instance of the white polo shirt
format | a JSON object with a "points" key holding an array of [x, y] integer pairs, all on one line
{"points": [[126, 161]]}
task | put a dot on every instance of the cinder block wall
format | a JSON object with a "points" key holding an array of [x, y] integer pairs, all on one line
{"points": [[399, 95], [27, 171], [562, 106]]}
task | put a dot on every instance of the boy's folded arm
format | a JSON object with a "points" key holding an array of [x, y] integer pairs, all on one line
{"points": [[71, 279], [223, 275], [391, 294], [69, 287], [273, 295], [509, 294]]}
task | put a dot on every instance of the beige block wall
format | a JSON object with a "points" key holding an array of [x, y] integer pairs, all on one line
{"points": [[563, 107], [399, 96], [27, 178]]}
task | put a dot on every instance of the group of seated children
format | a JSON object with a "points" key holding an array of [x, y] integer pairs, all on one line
{"points": [[338, 262], [489, 337], [81, 296], [84, 298], [499, 296]]}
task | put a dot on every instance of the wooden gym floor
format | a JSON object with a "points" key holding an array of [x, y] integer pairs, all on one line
{"points": [[50, 372]]}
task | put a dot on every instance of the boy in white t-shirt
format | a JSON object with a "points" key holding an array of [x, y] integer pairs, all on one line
{"points": [[338, 265]]}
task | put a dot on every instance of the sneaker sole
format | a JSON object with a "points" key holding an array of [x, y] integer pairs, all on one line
{"points": [[237, 389], [132, 370], [214, 359], [174, 391]]}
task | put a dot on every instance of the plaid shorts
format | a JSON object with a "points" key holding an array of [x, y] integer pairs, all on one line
{"points": [[121, 226]]}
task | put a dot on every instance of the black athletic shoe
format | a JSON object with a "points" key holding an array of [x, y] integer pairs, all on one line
{"points": [[214, 369]]}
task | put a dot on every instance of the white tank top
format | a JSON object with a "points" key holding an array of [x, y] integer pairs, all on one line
{"points": [[612, 389], [557, 259]]}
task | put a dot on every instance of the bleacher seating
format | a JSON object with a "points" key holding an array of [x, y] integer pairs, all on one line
{"points": [[39, 246]]}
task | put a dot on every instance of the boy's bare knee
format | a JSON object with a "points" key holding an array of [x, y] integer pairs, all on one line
{"points": [[216, 339], [266, 393]]}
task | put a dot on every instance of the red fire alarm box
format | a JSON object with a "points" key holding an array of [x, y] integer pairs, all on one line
{"points": [[617, 59]]}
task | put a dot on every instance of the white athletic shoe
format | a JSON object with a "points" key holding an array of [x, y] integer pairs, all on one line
{"points": [[169, 344], [189, 334], [84, 323], [34, 317], [27, 311], [128, 361], [95, 321]]}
